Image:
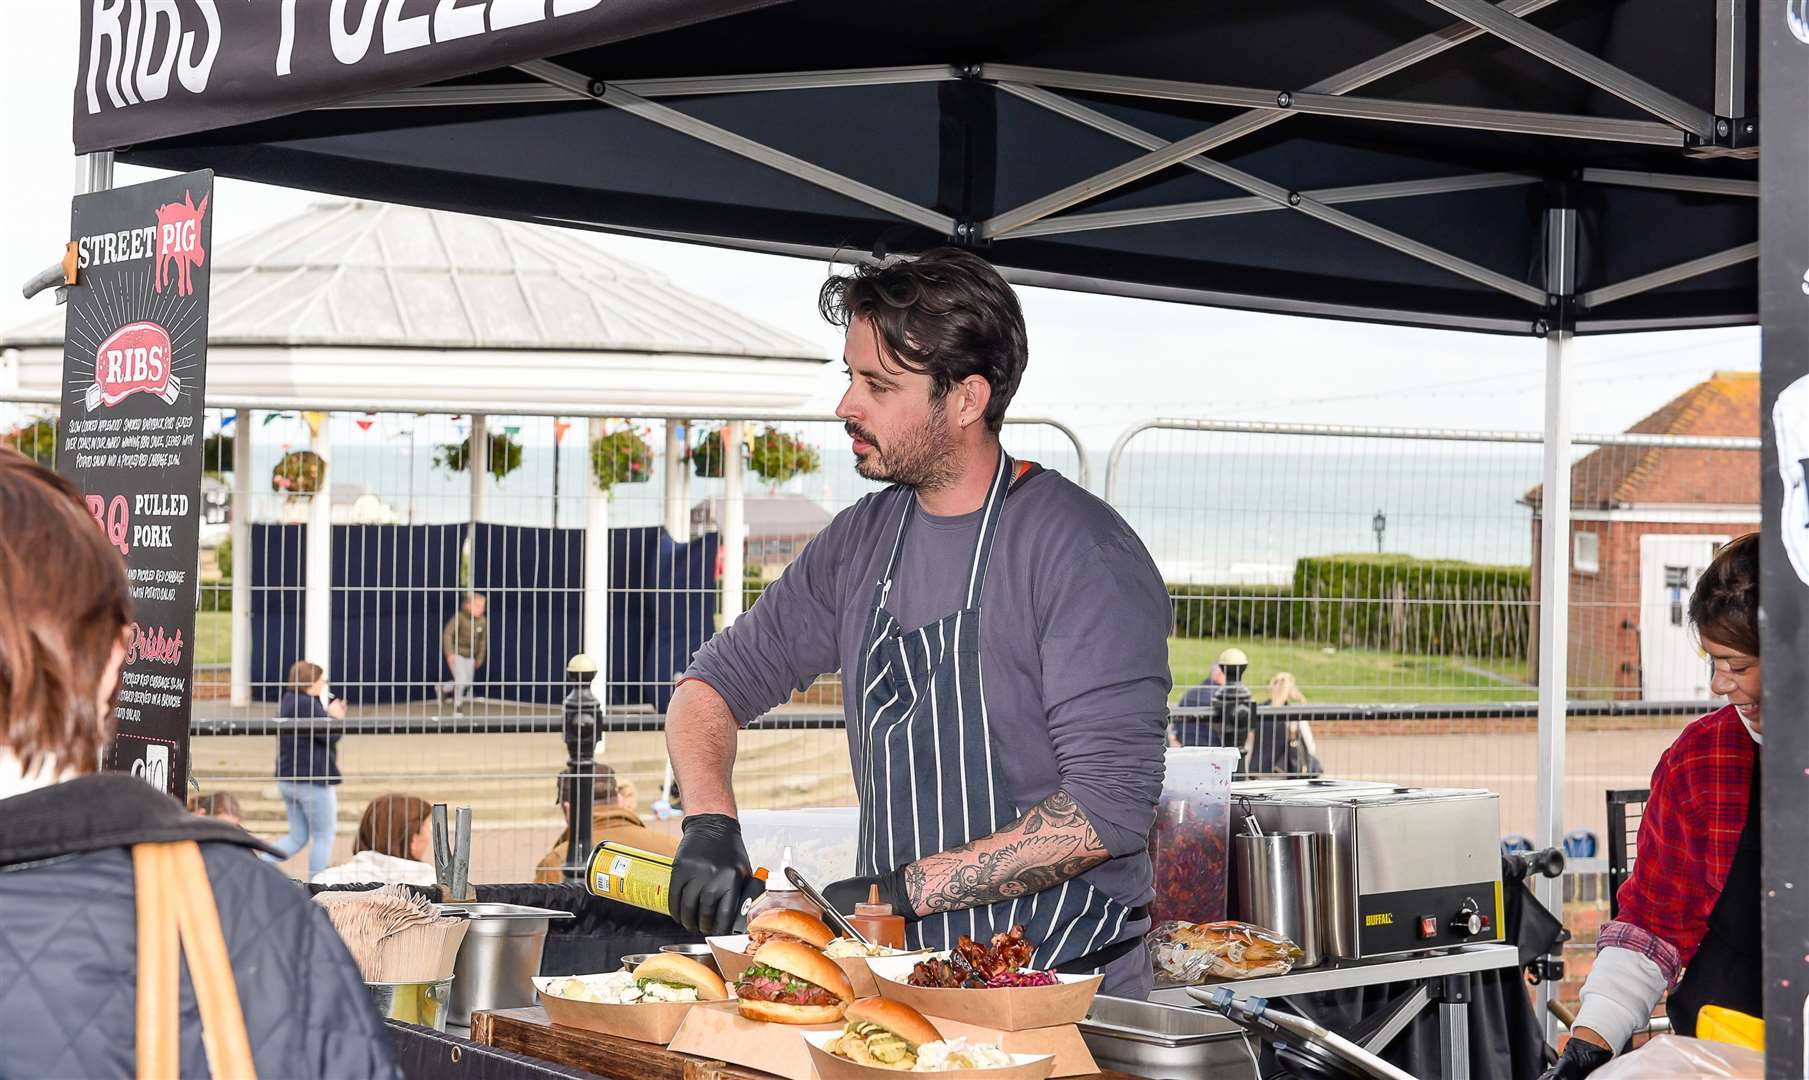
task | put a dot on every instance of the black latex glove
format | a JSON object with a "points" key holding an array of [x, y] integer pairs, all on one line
{"points": [[711, 877], [1578, 1060], [844, 894]]}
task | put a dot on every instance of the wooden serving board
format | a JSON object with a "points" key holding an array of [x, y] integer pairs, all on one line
{"points": [[528, 1031]]}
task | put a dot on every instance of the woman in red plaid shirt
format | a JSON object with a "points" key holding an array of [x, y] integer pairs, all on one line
{"points": [[1689, 915]]}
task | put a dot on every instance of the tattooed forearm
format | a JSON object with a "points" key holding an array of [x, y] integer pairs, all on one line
{"points": [[1050, 844]]}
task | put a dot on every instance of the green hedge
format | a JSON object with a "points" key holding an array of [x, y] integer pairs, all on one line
{"points": [[1234, 611], [1394, 602]]}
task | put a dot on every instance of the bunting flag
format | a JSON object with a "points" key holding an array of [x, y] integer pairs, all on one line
{"points": [[363, 423], [560, 427], [512, 430], [227, 420], [270, 418], [314, 419]]}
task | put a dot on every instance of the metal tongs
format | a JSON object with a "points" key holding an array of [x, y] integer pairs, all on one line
{"points": [[835, 918], [452, 854]]}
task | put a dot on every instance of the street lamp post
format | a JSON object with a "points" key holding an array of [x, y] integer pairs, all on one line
{"points": [[1380, 524]]}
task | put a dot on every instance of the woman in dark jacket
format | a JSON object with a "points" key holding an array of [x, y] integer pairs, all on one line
{"points": [[307, 764], [68, 905]]}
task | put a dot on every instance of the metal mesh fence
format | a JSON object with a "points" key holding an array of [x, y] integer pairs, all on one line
{"points": [[1382, 585], [1358, 569]]}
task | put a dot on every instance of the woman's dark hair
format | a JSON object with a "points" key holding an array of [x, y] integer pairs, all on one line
{"points": [[64, 605], [389, 823], [1725, 604], [946, 314]]}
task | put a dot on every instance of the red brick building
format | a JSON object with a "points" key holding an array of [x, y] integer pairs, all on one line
{"points": [[1644, 523]]}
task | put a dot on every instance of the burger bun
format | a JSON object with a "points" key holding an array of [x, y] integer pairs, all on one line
{"points": [[798, 924], [684, 971], [898, 1018], [773, 1012], [796, 958]]}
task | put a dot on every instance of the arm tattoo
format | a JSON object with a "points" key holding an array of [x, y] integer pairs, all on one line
{"points": [[1050, 844]]}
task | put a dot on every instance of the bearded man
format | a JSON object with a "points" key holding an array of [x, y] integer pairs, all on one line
{"points": [[1002, 639]]}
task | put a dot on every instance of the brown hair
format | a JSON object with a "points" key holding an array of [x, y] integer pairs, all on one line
{"points": [[946, 314], [303, 674], [64, 605], [389, 823], [1725, 603], [214, 805]]}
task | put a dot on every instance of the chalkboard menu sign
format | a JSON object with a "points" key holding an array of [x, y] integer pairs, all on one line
{"points": [[134, 371]]}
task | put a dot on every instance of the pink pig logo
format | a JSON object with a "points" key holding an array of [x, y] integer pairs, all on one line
{"points": [[179, 242]]}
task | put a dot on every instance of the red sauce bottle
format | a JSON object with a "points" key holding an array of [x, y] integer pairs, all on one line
{"points": [[877, 923]]}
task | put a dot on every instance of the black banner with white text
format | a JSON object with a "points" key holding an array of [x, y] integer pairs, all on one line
{"points": [[134, 372]]}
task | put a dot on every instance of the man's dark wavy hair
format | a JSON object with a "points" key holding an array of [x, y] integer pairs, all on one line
{"points": [[946, 314]]}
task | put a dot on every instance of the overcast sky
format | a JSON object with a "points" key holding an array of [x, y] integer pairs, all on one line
{"points": [[1098, 362]]}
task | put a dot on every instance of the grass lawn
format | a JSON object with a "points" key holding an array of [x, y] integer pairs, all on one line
{"points": [[1355, 676], [213, 637]]}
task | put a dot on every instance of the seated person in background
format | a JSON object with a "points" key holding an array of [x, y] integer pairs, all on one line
{"points": [[612, 817], [1191, 730], [1283, 747], [221, 804], [394, 845]]}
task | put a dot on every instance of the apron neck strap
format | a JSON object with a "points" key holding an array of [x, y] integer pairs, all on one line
{"points": [[989, 527]]}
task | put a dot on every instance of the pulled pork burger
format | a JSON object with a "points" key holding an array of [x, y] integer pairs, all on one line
{"points": [[884, 1034], [671, 977], [788, 924], [791, 983]]}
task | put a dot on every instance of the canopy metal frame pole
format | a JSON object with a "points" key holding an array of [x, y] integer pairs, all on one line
{"points": [[1166, 153], [1516, 121], [1730, 58], [533, 93], [1669, 275], [1703, 185], [1554, 565], [740, 145], [1283, 197], [1252, 204], [1592, 69]]}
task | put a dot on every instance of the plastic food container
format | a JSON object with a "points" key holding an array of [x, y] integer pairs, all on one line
{"points": [[821, 839], [1188, 845]]}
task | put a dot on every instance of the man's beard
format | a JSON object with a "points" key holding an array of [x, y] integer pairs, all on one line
{"points": [[922, 461]]}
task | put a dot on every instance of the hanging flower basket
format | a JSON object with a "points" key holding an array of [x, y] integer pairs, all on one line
{"points": [[505, 455], [623, 456], [300, 472], [706, 456], [777, 456]]}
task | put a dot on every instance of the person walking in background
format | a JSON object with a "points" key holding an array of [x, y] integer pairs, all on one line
{"points": [[466, 643], [221, 804], [307, 764], [72, 841], [394, 845], [612, 817]]}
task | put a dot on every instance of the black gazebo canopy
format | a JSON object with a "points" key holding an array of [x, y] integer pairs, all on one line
{"points": [[1391, 160]]}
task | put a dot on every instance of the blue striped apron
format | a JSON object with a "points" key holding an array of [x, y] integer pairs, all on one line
{"points": [[927, 766]]}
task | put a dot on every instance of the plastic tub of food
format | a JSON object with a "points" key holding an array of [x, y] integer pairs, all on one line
{"points": [[1188, 846]]}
